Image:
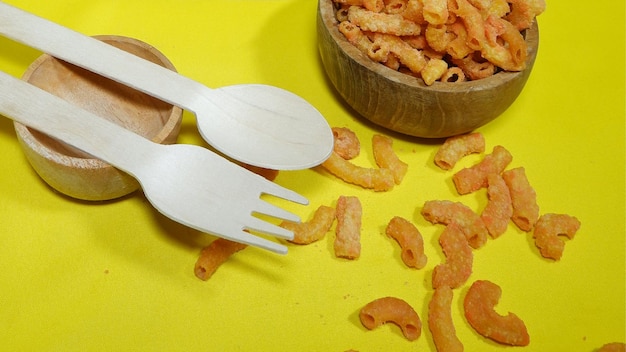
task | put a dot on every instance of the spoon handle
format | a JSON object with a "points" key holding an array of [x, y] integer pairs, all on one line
{"points": [[101, 58], [40, 110]]}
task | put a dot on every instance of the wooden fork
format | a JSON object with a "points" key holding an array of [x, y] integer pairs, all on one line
{"points": [[189, 184]]}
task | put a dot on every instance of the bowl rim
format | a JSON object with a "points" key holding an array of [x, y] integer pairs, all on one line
{"points": [[325, 11], [25, 133]]}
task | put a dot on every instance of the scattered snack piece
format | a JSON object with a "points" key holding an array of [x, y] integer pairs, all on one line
{"points": [[499, 209], [447, 212], [455, 148], [440, 321], [392, 310], [215, 255], [347, 144], [613, 347], [410, 240], [376, 179], [459, 259], [348, 231], [386, 158], [314, 229], [547, 231], [474, 178], [479, 303], [523, 197]]}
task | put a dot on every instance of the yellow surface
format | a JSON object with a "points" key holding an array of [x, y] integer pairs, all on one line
{"points": [[78, 276]]}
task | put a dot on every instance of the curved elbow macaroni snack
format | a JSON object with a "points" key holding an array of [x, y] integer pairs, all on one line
{"points": [[474, 178], [455, 148], [440, 321], [314, 229], [548, 230], [348, 231], [479, 304], [447, 212], [410, 240], [392, 310], [215, 255], [376, 179], [499, 209], [523, 197], [459, 259], [386, 158]]}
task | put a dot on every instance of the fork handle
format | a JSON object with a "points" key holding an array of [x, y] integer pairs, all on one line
{"points": [[59, 119], [101, 58]]}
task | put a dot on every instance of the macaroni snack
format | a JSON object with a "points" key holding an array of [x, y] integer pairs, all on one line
{"points": [[347, 143], [447, 212], [392, 310], [215, 255], [348, 231], [386, 158], [523, 197], [548, 230], [459, 259], [479, 303], [381, 22], [314, 229], [455, 148], [410, 240], [474, 178], [499, 209], [440, 321], [376, 179]]}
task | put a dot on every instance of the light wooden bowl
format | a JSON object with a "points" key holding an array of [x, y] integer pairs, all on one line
{"points": [[72, 172], [405, 104]]}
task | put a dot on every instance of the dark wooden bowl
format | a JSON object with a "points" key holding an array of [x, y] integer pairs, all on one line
{"points": [[405, 104]]}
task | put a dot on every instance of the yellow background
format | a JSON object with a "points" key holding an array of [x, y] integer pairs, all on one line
{"points": [[78, 276]]}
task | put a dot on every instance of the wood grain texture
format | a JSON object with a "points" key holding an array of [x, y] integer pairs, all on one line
{"points": [[403, 103], [71, 171]]}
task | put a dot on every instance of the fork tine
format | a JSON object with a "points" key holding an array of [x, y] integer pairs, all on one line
{"points": [[256, 224], [265, 208], [276, 190], [256, 241]]}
